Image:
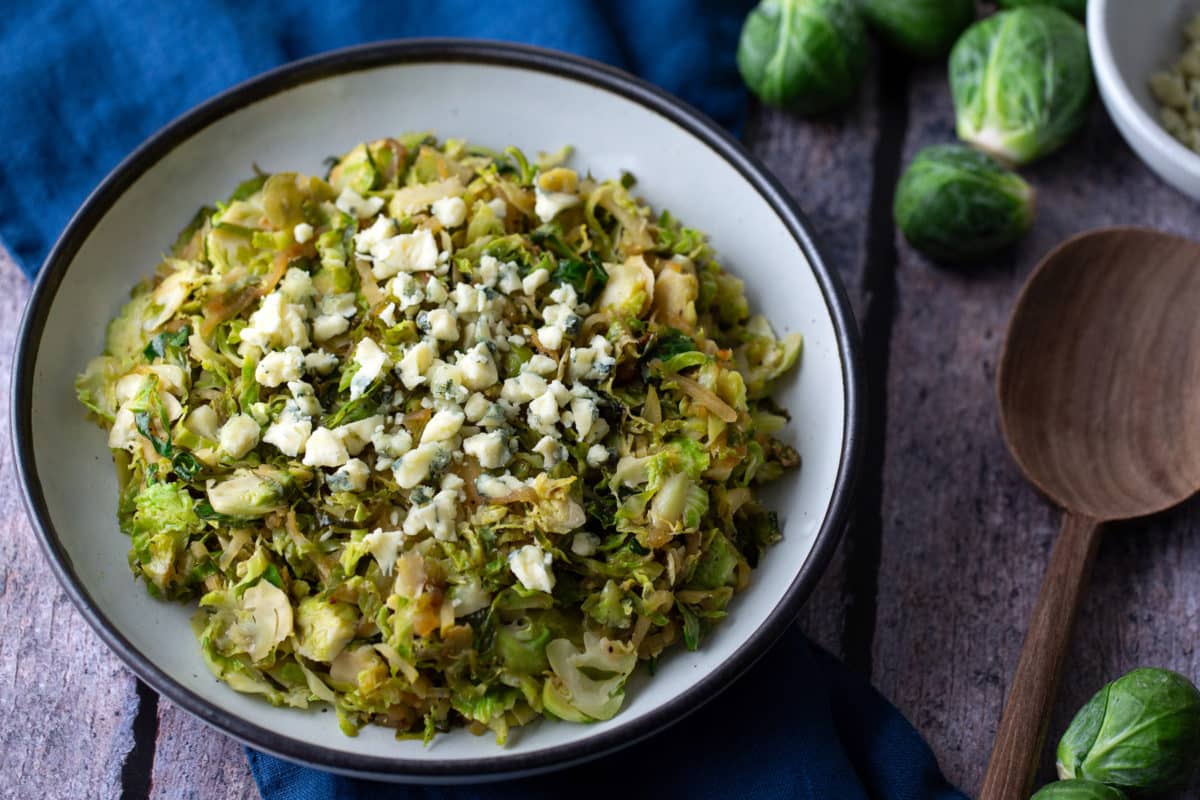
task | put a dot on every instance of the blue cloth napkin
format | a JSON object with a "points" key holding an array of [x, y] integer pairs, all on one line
{"points": [[85, 81], [797, 726]]}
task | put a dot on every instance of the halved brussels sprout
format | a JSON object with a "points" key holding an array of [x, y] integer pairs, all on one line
{"points": [[250, 492], [1022, 82], [324, 628], [590, 685], [957, 204], [807, 55]]}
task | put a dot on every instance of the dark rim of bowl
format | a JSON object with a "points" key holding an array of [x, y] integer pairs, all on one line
{"points": [[384, 54]]}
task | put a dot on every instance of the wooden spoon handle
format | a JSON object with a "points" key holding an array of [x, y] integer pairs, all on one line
{"points": [[1031, 694]]}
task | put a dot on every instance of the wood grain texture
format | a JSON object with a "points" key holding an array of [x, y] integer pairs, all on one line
{"points": [[827, 167], [66, 702], [966, 541], [194, 762]]}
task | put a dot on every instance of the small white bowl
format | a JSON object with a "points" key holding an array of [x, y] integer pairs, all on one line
{"points": [[1130, 40], [493, 94]]}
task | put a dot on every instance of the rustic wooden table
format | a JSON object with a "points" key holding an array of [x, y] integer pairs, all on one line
{"points": [[931, 588]]}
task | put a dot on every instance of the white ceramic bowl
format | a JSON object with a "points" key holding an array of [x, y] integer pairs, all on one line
{"points": [[1130, 40], [492, 94]]}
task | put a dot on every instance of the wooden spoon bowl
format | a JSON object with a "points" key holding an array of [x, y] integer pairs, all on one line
{"points": [[1099, 396]]}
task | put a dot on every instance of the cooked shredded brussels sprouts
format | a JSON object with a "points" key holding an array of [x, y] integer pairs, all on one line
{"points": [[447, 438]]}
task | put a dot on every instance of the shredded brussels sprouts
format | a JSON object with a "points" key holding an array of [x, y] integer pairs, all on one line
{"points": [[449, 437]]}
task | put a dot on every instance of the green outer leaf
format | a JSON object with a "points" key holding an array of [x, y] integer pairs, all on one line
{"points": [[956, 204], [1022, 82], [1076, 8], [808, 55], [1141, 732], [1077, 790], [925, 29]]}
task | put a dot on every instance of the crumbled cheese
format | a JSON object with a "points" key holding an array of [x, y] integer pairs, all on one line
{"points": [[478, 369], [305, 397], [493, 486], [325, 449], [372, 361], [565, 295], [416, 362], [437, 516], [341, 305], [391, 445], [584, 413], [280, 366], [443, 325], [388, 315], [510, 278], [290, 432], [489, 271], [407, 290], [548, 205], [476, 407], [532, 568], [489, 449], [585, 544], [550, 337], [445, 382], [320, 362], [543, 414], [350, 477], [327, 326], [277, 324], [597, 455], [417, 464], [523, 388], [550, 450], [238, 436], [562, 395], [444, 425], [450, 211], [534, 280], [499, 207], [296, 286], [352, 203], [408, 252], [383, 228], [435, 291], [540, 364], [356, 435], [302, 232], [385, 547]]}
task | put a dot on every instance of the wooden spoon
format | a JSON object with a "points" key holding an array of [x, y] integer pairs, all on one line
{"points": [[1099, 395]]}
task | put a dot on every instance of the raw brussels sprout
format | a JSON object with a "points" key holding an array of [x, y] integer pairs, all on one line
{"points": [[1140, 732], [1077, 790], [808, 55], [955, 204], [1076, 8], [1021, 81], [922, 28]]}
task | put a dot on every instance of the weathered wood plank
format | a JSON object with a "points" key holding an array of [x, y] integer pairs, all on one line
{"points": [[66, 702], [826, 165], [195, 762], [965, 540]]}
